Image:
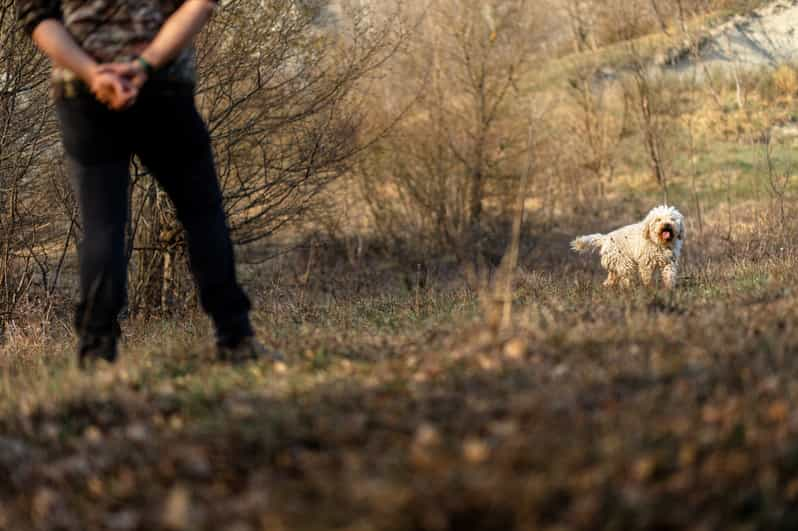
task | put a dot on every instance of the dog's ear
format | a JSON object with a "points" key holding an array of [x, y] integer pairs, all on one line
{"points": [[681, 234], [647, 230]]}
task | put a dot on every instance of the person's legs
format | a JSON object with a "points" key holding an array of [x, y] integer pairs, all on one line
{"points": [[97, 161], [174, 145], [101, 190]]}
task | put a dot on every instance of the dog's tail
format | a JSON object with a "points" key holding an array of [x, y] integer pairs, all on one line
{"points": [[591, 242]]}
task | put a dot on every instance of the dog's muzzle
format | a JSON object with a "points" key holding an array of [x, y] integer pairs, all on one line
{"points": [[667, 233]]}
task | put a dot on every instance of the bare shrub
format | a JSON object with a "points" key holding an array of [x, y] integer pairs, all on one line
{"points": [[597, 123], [778, 177], [785, 79], [285, 111], [622, 20], [457, 155], [656, 103], [35, 227], [581, 17]]}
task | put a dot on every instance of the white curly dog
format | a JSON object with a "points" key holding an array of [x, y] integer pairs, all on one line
{"points": [[643, 248]]}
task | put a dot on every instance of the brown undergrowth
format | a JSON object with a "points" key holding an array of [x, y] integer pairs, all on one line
{"points": [[402, 408]]}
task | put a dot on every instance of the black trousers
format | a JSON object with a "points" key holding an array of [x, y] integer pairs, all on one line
{"points": [[167, 133]]}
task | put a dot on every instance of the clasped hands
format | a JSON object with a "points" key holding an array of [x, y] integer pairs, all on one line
{"points": [[117, 85]]}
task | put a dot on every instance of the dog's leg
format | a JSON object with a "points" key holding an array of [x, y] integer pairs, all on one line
{"points": [[646, 275], [669, 273], [612, 279]]}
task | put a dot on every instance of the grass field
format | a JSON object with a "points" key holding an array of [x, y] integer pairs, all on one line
{"points": [[403, 407]]}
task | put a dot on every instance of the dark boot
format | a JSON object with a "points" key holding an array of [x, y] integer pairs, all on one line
{"points": [[93, 348], [247, 349]]}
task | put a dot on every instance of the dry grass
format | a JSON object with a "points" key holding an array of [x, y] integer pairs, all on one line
{"points": [[400, 408], [403, 406]]}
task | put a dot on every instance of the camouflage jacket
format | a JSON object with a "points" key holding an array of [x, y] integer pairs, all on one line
{"points": [[110, 30]]}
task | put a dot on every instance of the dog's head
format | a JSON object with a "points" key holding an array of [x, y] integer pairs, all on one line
{"points": [[664, 225]]}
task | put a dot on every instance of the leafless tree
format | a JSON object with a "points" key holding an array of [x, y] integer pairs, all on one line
{"points": [[284, 101], [31, 219], [597, 124], [655, 106], [462, 146]]}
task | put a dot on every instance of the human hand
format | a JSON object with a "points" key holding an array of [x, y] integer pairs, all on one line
{"points": [[115, 91], [134, 72]]}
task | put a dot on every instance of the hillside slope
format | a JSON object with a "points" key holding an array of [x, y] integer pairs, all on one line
{"points": [[764, 38]]}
